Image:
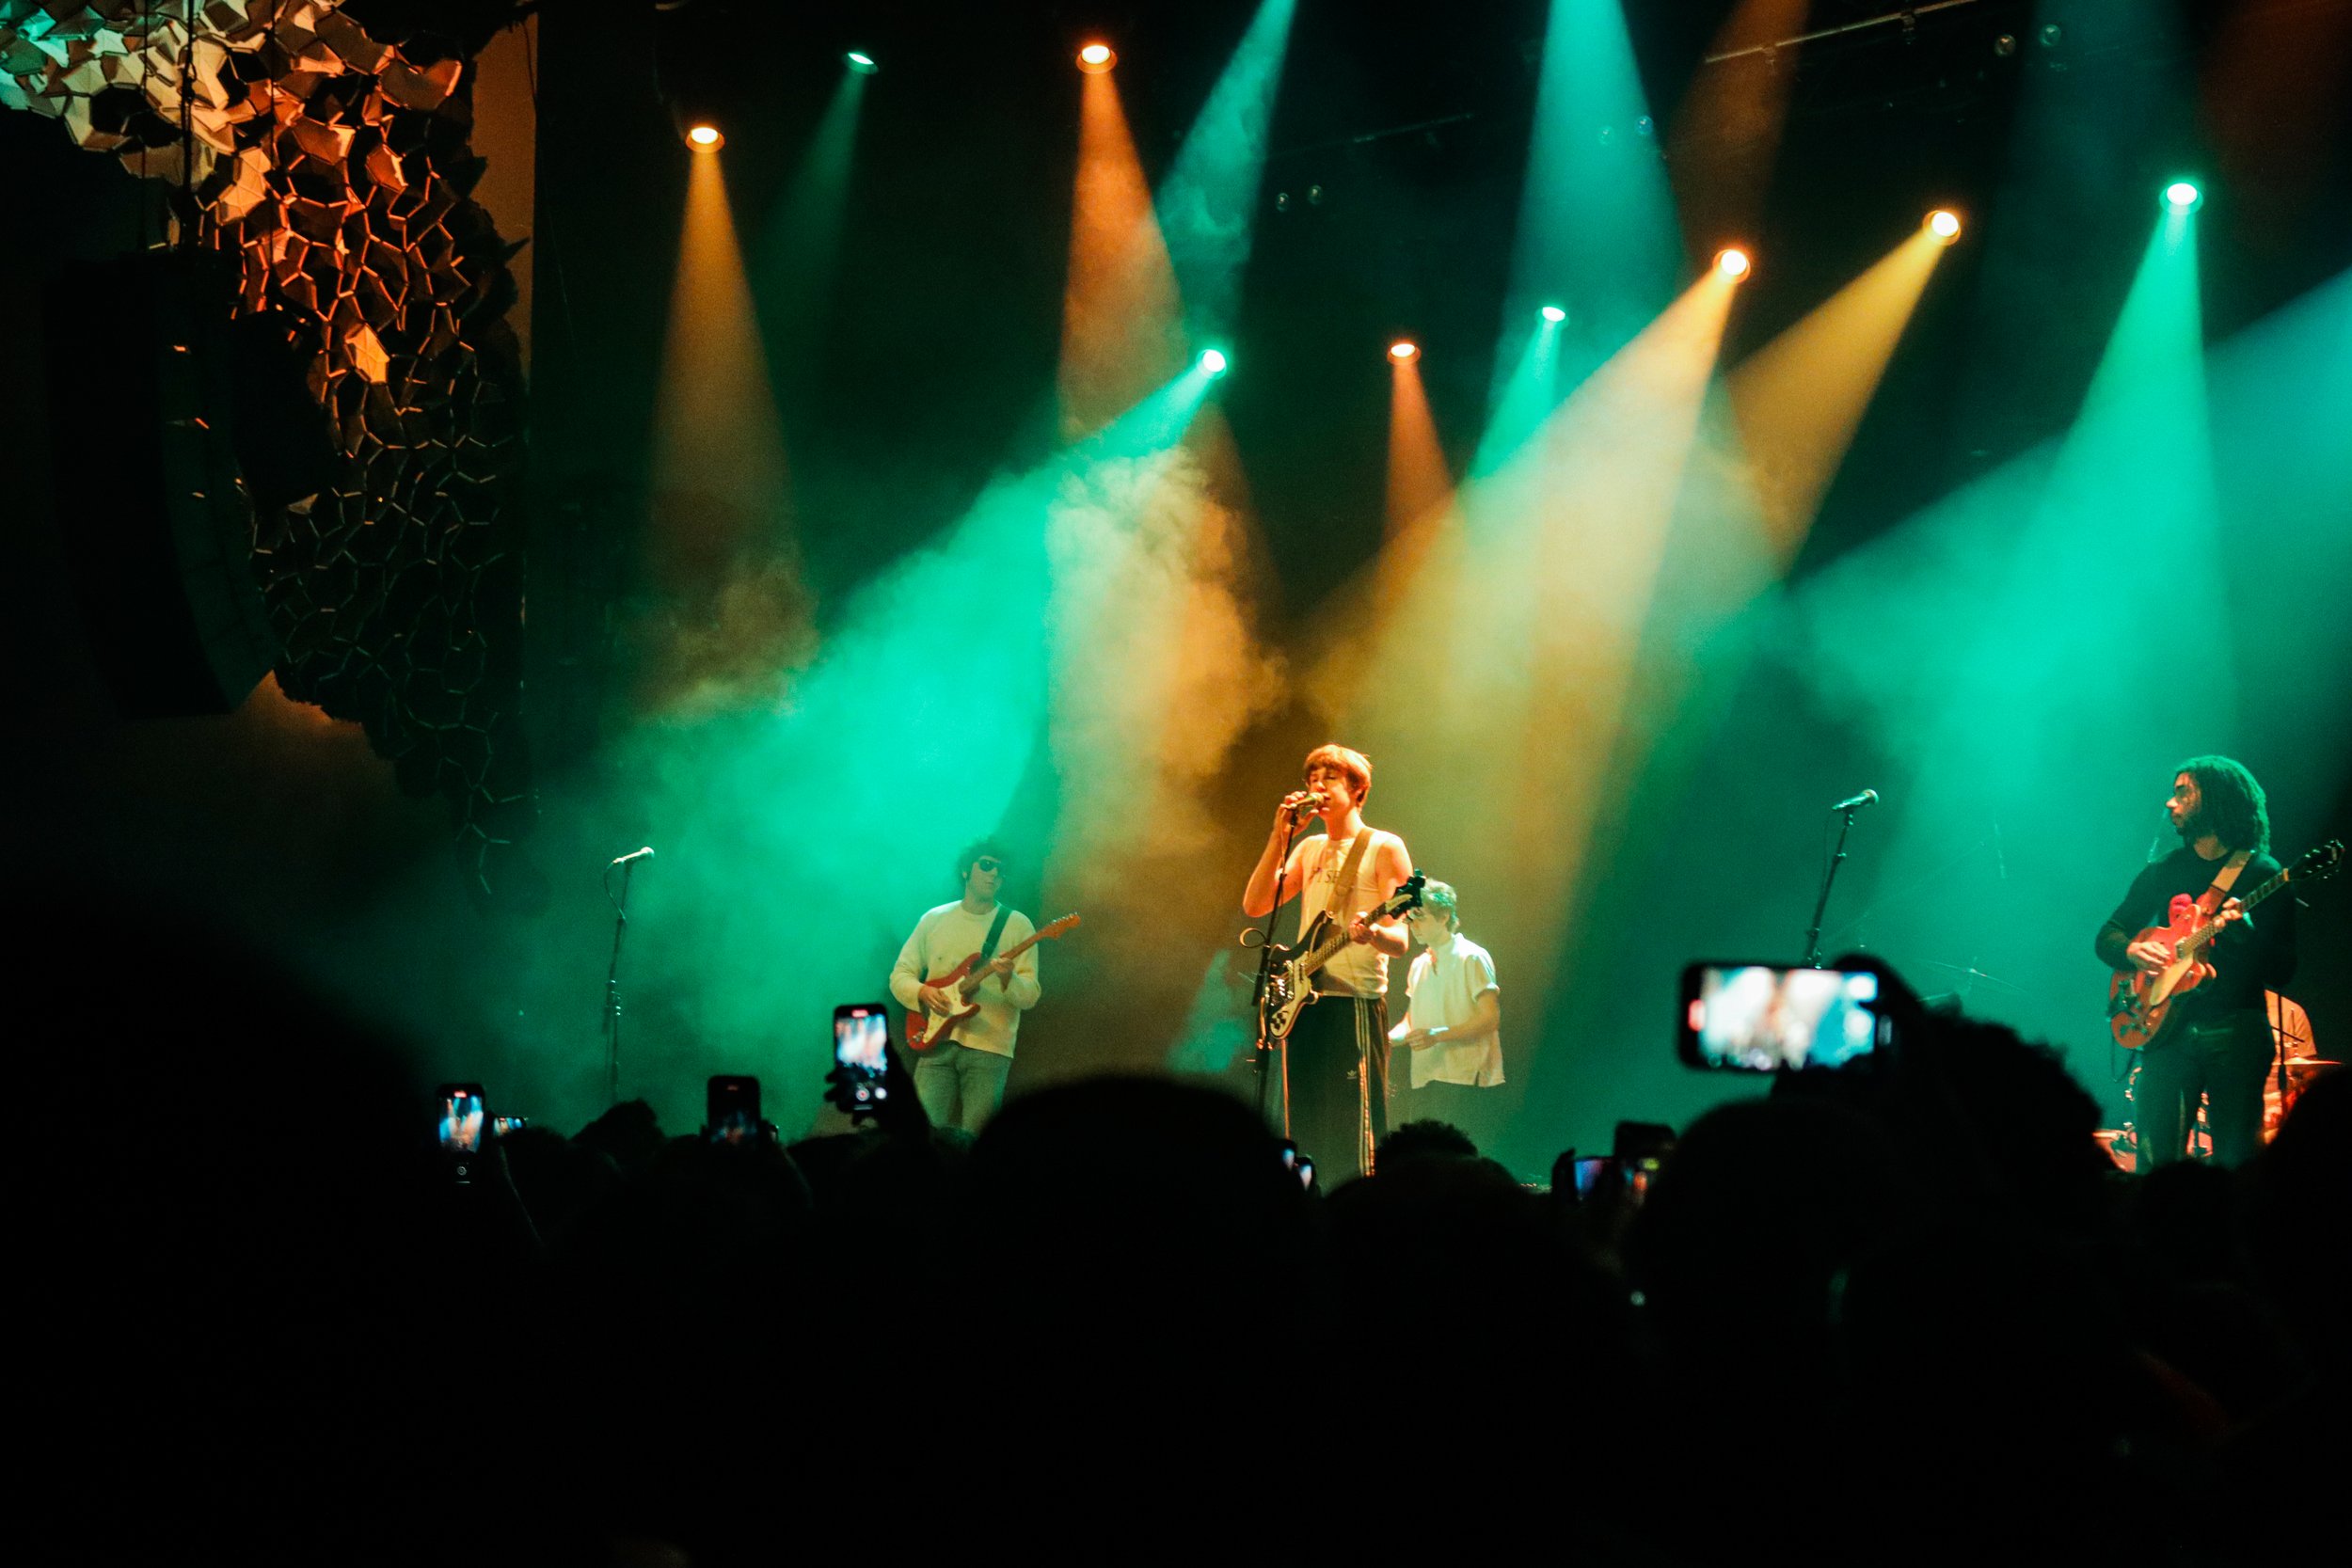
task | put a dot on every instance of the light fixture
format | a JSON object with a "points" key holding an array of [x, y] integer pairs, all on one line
{"points": [[1553, 314], [1096, 58], [1404, 349], [861, 62], [1944, 224], [2184, 196], [1213, 361], [1732, 263], [705, 135]]}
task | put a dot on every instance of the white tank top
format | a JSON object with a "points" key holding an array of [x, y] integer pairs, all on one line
{"points": [[1358, 969]]}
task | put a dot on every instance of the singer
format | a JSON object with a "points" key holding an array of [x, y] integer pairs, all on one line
{"points": [[1335, 1069]]}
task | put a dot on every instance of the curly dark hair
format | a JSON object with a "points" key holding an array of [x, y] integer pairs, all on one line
{"points": [[992, 847], [2230, 804]]}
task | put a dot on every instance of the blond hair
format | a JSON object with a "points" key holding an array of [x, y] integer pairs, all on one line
{"points": [[1356, 765]]}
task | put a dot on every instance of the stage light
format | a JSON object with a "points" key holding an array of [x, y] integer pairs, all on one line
{"points": [[861, 62], [1096, 58], [1213, 362], [1732, 263], [2184, 196], [705, 135], [1404, 349], [1944, 224], [1553, 314]]}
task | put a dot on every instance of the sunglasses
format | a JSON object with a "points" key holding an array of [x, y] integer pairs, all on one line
{"points": [[988, 864]]}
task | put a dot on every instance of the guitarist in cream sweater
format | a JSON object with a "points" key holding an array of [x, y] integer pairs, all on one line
{"points": [[962, 1080], [1335, 1070], [2218, 1042]]}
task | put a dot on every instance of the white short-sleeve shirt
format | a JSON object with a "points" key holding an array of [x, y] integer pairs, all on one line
{"points": [[1444, 984]]}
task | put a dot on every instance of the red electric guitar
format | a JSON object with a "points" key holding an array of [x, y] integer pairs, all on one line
{"points": [[926, 1032], [2139, 999]]}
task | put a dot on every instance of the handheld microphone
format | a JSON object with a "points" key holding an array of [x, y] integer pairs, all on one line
{"points": [[645, 854], [1855, 802]]}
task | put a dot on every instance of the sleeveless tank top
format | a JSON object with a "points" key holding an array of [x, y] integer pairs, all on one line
{"points": [[1358, 969]]}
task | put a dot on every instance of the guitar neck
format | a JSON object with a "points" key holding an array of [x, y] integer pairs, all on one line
{"points": [[2245, 901]]}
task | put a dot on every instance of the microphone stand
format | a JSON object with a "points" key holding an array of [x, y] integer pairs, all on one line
{"points": [[613, 980], [1829, 878], [1265, 965]]}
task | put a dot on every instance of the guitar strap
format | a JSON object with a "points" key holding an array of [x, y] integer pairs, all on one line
{"points": [[2211, 898], [988, 948], [1343, 890]]}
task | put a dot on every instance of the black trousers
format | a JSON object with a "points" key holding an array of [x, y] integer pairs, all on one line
{"points": [[2224, 1058], [1335, 1080]]}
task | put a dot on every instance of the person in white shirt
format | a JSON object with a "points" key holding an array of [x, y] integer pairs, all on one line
{"points": [[961, 1081], [1453, 1026]]}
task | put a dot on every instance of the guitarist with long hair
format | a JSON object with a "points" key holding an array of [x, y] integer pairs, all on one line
{"points": [[1335, 1063], [961, 1081], [2217, 1040]]}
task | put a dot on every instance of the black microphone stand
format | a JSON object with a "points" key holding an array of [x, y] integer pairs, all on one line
{"points": [[612, 979], [1829, 876], [1265, 961]]}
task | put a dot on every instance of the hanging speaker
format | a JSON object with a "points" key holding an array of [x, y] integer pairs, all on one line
{"points": [[154, 383]]}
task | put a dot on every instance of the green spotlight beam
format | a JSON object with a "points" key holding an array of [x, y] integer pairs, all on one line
{"points": [[1596, 227], [1524, 398], [937, 672], [1208, 201], [800, 250]]}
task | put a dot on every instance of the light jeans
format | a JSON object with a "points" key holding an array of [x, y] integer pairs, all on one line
{"points": [[960, 1087]]}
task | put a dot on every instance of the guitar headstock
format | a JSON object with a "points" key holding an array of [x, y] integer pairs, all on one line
{"points": [[1407, 895], [2317, 861], [1047, 933]]}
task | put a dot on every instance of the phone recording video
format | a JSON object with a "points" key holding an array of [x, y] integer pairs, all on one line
{"points": [[1774, 1018], [1592, 1171], [731, 1110], [861, 1036], [461, 1119]]}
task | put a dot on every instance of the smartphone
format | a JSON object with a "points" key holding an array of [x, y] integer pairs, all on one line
{"points": [[861, 1032], [459, 1113], [1289, 1154], [731, 1109], [1779, 1018], [1305, 1165], [1591, 1171], [502, 1126]]}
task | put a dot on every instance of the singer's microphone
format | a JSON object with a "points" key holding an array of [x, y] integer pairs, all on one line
{"points": [[645, 854], [1306, 802], [1855, 802]]}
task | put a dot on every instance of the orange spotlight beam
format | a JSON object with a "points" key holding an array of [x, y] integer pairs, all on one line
{"points": [[1419, 484], [1726, 132], [1799, 400], [1122, 332], [729, 607]]}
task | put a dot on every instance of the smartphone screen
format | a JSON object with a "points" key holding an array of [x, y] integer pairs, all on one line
{"points": [[1589, 1172], [860, 1031], [731, 1110], [461, 1119], [1774, 1018]]}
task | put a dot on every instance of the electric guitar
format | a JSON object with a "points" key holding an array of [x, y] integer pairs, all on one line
{"points": [[926, 1032], [2138, 1000], [1287, 990]]}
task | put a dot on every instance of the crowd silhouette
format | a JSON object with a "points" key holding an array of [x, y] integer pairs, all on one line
{"points": [[1905, 1312]]}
